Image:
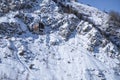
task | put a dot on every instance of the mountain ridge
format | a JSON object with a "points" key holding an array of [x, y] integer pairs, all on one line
{"points": [[57, 41]]}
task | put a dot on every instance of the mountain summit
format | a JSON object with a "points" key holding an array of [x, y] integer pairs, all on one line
{"points": [[57, 40]]}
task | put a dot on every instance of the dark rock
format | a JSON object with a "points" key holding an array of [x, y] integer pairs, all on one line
{"points": [[0, 60], [69, 62], [22, 53], [10, 29], [31, 66], [37, 27]]}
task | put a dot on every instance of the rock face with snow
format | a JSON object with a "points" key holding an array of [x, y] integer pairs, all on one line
{"points": [[10, 29], [57, 40]]}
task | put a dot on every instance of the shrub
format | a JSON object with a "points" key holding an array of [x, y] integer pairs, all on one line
{"points": [[114, 17]]}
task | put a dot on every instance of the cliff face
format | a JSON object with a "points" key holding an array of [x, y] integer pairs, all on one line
{"points": [[50, 40]]}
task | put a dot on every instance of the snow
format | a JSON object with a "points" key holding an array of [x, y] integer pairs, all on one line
{"points": [[93, 14], [49, 56]]}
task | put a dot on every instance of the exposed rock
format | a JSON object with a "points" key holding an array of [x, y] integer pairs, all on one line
{"points": [[8, 5], [78, 43], [69, 25], [10, 29], [64, 31], [37, 27]]}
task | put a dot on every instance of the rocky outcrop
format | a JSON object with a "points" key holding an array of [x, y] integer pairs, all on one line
{"points": [[69, 26], [57, 41], [105, 28], [96, 40], [113, 33], [8, 5], [10, 29], [37, 27]]}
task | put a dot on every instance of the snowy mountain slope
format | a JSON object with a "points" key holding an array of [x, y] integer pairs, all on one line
{"points": [[46, 43]]}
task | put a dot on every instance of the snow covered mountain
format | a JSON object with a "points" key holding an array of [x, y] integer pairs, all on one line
{"points": [[57, 40]]}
